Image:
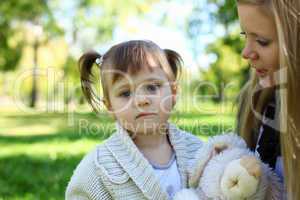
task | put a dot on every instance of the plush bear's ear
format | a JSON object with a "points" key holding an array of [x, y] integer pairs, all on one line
{"points": [[230, 140], [219, 147]]}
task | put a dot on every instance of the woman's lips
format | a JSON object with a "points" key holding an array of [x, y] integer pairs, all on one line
{"points": [[261, 72], [144, 115]]}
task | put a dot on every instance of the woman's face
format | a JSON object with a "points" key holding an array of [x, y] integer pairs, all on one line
{"points": [[261, 48]]}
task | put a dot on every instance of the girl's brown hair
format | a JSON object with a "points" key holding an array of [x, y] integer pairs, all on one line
{"points": [[127, 57], [287, 18]]}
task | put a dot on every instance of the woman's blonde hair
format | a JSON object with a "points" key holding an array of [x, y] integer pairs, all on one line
{"points": [[287, 18]]}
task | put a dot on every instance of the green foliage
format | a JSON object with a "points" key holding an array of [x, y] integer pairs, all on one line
{"points": [[22, 10], [17, 38], [12, 14], [226, 13], [10, 54], [228, 63], [227, 73]]}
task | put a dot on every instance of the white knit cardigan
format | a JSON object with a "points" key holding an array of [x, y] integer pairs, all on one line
{"points": [[117, 170]]}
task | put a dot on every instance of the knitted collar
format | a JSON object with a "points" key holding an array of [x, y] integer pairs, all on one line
{"points": [[138, 167]]}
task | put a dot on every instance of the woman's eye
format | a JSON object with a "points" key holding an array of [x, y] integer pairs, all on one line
{"points": [[263, 43], [126, 94], [243, 33]]}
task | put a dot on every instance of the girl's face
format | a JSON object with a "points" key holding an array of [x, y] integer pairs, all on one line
{"points": [[142, 103], [261, 49]]}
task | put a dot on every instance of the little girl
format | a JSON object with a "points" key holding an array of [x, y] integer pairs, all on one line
{"points": [[147, 157]]}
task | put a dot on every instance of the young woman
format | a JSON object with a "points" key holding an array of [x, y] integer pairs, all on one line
{"points": [[269, 116]]}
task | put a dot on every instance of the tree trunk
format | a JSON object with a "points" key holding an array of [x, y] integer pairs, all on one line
{"points": [[34, 91]]}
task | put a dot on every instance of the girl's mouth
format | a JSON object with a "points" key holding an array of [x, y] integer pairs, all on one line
{"points": [[144, 115]]}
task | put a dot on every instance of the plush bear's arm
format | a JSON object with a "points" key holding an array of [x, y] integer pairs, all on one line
{"points": [[203, 156]]}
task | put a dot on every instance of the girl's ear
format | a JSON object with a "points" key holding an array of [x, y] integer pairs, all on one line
{"points": [[109, 108], [107, 104]]}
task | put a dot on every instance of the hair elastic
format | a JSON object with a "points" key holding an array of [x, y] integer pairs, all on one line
{"points": [[99, 61]]}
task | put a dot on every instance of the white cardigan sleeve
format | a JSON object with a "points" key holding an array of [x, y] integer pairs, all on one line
{"points": [[85, 184]]}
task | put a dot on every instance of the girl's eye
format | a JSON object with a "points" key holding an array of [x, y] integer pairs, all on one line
{"points": [[152, 87], [125, 94], [263, 43]]}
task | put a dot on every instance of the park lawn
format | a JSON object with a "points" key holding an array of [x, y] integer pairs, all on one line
{"points": [[39, 151]]}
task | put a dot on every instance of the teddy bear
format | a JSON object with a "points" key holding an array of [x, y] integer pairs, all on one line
{"points": [[225, 169]]}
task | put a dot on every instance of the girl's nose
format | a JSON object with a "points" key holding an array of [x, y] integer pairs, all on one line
{"points": [[142, 100]]}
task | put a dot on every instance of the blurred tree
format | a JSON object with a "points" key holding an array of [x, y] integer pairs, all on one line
{"points": [[228, 66], [226, 12], [13, 15], [227, 70]]}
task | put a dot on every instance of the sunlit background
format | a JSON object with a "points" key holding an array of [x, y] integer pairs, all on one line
{"points": [[45, 124]]}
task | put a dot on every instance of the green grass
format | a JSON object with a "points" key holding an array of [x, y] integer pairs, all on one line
{"points": [[39, 151]]}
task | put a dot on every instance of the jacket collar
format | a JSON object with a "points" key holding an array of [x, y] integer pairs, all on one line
{"points": [[137, 166]]}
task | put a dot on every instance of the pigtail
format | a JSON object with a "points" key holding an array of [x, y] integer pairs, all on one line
{"points": [[86, 62], [175, 61]]}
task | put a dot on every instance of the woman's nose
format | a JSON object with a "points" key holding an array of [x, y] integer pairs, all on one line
{"points": [[249, 53]]}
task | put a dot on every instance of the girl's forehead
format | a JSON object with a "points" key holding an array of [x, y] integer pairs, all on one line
{"points": [[143, 75], [136, 67]]}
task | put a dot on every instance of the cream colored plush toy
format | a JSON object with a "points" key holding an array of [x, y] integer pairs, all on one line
{"points": [[226, 170]]}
